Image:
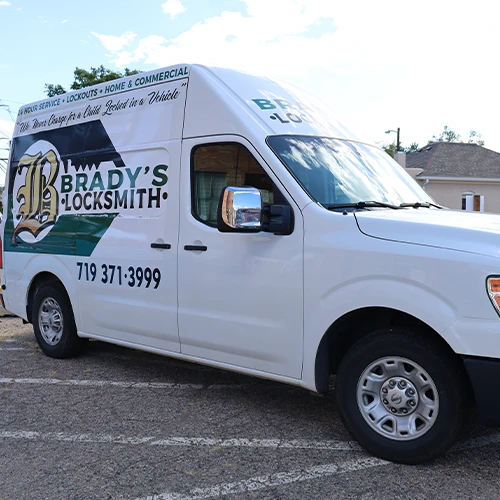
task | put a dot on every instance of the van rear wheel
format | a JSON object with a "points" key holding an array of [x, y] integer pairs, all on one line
{"points": [[401, 395], [54, 323]]}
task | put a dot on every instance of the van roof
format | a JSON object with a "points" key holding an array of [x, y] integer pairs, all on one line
{"points": [[277, 107], [108, 88]]}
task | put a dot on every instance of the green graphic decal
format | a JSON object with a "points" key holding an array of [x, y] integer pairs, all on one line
{"points": [[64, 192], [71, 235], [298, 113]]}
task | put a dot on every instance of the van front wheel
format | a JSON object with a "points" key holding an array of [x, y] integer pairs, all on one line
{"points": [[401, 395], [54, 323]]}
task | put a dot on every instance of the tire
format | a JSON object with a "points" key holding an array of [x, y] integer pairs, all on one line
{"points": [[54, 322], [402, 395]]}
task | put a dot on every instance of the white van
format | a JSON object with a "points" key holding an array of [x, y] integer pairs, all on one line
{"points": [[227, 219]]}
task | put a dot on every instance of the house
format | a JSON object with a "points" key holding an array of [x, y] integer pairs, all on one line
{"points": [[458, 175]]}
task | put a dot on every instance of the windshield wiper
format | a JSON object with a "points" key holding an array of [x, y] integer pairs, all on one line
{"points": [[362, 204], [420, 204]]}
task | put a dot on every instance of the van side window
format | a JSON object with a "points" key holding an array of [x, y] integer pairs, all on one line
{"points": [[215, 166]]}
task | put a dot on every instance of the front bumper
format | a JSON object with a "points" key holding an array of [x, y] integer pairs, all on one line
{"points": [[484, 376]]}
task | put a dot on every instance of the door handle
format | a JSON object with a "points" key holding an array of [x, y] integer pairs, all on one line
{"points": [[165, 246], [199, 248]]}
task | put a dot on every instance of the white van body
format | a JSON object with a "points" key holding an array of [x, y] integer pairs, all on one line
{"points": [[110, 198]]}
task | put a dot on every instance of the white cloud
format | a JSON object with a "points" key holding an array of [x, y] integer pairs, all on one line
{"points": [[416, 68], [115, 43], [270, 36], [64, 21], [6, 129], [279, 35], [278, 38], [173, 8], [4, 4]]}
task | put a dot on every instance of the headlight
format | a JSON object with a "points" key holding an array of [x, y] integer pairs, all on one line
{"points": [[493, 287]]}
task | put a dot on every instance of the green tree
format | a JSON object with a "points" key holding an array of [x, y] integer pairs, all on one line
{"points": [[84, 78], [390, 149], [52, 90], [475, 138], [449, 135]]}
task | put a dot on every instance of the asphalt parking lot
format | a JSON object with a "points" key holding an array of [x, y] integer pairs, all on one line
{"points": [[120, 424]]}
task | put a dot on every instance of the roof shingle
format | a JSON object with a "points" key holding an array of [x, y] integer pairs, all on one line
{"points": [[455, 159]]}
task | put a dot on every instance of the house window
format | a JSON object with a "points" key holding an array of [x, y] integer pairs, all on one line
{"points": [[467, 200]]}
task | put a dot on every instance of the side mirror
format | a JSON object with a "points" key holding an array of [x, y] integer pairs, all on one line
{"points": [[277, 219], [239, 210]]}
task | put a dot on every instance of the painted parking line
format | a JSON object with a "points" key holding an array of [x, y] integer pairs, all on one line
{"points": [[305, 444], [272, 480], [335, 445], [14, 349], [252, 484], [246, 485], [320, 471], [111, 383]]}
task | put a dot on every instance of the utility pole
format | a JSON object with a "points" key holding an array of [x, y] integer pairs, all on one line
{"points": [[398, 144], [7, 108]]}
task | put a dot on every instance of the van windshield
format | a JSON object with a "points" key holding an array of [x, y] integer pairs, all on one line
{"points": [[337, 172]]}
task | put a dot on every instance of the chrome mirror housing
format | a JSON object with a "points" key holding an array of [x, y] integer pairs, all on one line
{"points": [[240, 209]]}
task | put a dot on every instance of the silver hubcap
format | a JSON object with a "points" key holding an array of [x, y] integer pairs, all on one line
{"points": [[398, 398], [50, 321]]}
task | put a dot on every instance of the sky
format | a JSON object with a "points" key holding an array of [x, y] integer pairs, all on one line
{"points": [[379, 65]]}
